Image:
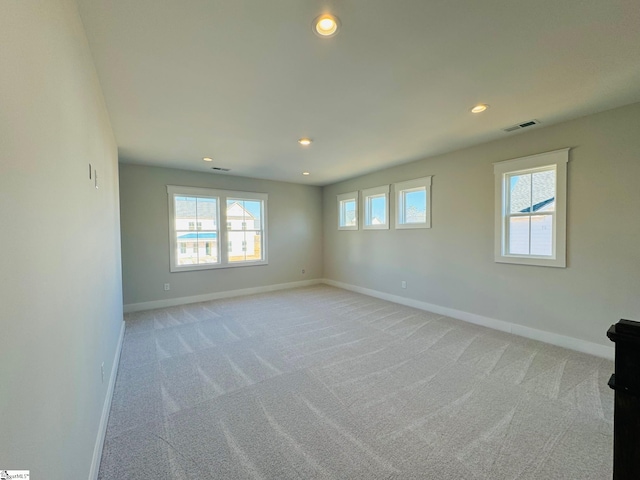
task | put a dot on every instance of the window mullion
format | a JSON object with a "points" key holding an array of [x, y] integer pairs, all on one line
{"points": [[224, 231], [197, 232]]}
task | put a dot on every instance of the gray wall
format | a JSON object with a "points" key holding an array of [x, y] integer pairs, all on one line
{"points": [[294, 235], [451, 265], [61, 300]]}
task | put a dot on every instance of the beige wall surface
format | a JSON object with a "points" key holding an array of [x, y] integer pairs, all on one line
{"points": [[61, 296], [452, 265], [294, 235]]}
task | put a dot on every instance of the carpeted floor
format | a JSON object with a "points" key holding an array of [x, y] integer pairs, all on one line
{"points": [[322, 383]]}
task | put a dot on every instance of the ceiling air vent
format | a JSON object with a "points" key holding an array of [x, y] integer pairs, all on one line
{"points": [[520, 126], [220, 169]]}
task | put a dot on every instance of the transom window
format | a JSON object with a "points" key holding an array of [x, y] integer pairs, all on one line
{"points": [[205, 235], [413, 203], [531, 209], [376, 207], [348, 211]]}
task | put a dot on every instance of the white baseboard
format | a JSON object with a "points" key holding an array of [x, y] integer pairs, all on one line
{"points": [[106, 408], [172, 302], [571, 343]]}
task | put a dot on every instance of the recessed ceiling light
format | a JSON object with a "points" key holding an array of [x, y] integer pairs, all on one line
{"points": [[326, 25], [207, 159], [305, 141], [306, 173], [481, 107]]}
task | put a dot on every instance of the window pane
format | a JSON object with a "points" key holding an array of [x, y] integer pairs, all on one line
{"points": [[520, 193], [377, 210], [185, 208], [415, 206], [185, 254], [347, 213], [519, 235], [544, 191], [207, 247], [244, 214], [542, 235], [207, 212], [244, 246]]}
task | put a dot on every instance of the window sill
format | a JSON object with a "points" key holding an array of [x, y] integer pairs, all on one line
{"points": [[193, 268], [530, 260]]}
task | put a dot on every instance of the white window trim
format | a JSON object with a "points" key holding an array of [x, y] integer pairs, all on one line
{"points": [[398, 188], [371, 192], [223, 243], [557, 158], [344, 197]]}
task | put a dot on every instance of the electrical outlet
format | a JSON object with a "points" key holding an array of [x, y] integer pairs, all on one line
{"points": [[102, 372], [167, 287], [403, 284]]}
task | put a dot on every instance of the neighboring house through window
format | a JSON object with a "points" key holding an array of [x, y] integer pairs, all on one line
{"points": [[530, 218], [376, 208], [217, 237], [348, 211], [413, 203]]}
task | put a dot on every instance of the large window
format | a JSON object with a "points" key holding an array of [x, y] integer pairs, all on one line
{"points": [[413, 203], [348, 211], [530, 222], [376, 207], [216, 228]]}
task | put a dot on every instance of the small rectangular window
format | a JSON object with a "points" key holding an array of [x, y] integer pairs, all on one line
{"points": [[348, 211], [413, 203], [376, 208], [530, 219]]}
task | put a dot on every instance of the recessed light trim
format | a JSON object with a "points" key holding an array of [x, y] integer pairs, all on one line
{"points": [[481, 107], [326, 25], [306, 173], [207, 159], [305, 142]]}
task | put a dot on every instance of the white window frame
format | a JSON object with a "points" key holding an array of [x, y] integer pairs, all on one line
{"points": [[399, 189], [530, 164], [366, 213], [222, 224], [342, 198]]}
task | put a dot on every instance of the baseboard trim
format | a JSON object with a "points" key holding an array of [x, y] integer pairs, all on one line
{"points": [[172, 302], [106, 408], [571, 343]]}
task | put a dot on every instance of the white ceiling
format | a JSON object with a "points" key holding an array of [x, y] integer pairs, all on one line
{"points": [[242, 80]]}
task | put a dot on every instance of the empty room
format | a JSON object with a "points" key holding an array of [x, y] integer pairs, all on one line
{"points": [[308, 239]]}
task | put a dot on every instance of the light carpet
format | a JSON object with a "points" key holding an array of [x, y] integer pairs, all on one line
{"points": [[323, 383]]}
